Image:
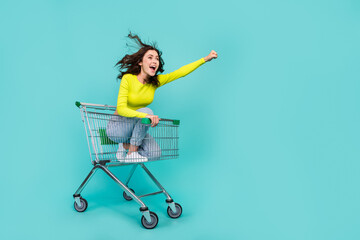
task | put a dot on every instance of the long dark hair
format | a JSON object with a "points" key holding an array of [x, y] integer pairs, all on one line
{"points": [[130, 63]]}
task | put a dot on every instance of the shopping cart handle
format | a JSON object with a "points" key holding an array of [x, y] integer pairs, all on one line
{"points": [[143, 121], [148, 121]]}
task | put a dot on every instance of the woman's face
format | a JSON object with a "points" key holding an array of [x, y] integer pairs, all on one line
{"points": [[150, 63]]}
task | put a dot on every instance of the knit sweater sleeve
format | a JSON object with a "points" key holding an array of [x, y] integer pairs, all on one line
{"points": [[181, 72], [122, 107]]}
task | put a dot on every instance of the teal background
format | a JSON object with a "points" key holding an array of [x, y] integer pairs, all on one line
{"points": [[269, 130]]}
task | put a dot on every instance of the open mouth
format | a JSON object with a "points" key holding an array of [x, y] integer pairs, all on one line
{"points": [[153, 68]]}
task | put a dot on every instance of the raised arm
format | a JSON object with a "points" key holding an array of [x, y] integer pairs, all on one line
{"points": [[185, 70]]}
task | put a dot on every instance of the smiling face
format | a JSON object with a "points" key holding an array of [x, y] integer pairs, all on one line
{"points": [[150, 63]]}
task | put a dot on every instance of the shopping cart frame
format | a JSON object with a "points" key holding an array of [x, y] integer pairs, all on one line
{"points": [[149, 219]]}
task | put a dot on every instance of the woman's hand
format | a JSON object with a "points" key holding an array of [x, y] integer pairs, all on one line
{"points": [[154, 119], [211, 56]]}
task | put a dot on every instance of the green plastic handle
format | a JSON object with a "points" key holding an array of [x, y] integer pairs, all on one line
{"points": [[148, 121], [78, 104], [176, 122]]}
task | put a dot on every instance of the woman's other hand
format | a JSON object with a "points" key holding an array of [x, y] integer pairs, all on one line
{"points": [[211, 56], [154, 119]]}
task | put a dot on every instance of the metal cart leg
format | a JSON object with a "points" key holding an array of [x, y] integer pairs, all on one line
{"points": [[87, 179], [143, 209], [169, 200], [80, 203], [130, 174], [122, 185]]}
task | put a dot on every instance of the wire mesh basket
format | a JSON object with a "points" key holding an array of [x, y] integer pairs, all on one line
{"points": [[104, 139]]}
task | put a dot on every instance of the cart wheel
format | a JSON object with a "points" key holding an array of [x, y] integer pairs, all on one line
{"points": [[175, 214], [83, 206], [152, 224], [127, 197]]}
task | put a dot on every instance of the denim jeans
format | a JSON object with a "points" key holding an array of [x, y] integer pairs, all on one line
{"points": [[130, 130]]}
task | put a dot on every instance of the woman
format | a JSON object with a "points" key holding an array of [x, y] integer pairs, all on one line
{"points": [[139, 80]]}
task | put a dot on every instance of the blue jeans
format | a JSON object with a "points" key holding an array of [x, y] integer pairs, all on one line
{"points": [[130, 130]]}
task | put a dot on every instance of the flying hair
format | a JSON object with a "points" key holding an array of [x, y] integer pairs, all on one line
{"points": [[129, 64]]}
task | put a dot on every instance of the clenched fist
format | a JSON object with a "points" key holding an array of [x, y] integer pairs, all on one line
{"points": [[211, 56]]}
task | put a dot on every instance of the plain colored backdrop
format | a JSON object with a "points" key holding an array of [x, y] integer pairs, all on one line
{"points": [[269, 131]]}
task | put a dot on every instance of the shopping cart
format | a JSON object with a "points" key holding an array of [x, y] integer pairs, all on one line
{"points": [[103, 147]]}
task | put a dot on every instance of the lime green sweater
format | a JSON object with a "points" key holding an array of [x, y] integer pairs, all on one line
{"points": [[134, 95]]}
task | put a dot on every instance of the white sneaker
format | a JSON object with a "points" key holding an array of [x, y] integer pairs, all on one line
{"points": [[120, 154], [135, 157]]}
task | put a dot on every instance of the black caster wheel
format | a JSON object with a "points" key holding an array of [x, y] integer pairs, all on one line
{"points": [[152, 224], [175, 214], [83, 205], [127, 197]]}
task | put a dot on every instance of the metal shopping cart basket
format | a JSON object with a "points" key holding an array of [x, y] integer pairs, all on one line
{"points": [[104, 154]]}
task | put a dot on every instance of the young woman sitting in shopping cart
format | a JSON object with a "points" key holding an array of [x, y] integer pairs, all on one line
{"points": [[139, 80]]}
